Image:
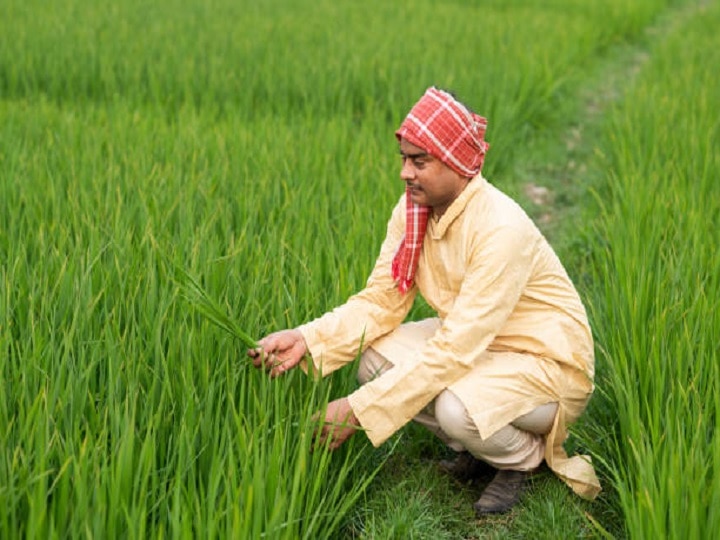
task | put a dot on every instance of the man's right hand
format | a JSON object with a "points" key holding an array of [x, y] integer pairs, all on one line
{"points": [[279, 351]]}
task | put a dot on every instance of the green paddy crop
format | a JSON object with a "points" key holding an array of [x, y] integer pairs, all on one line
{"points": [[657, 288], [251, 145]]}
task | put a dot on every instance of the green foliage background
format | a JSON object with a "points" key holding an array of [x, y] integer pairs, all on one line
{"points": [[252, 143]]}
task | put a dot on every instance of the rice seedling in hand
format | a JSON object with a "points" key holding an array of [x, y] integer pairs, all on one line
{"points": [[210, 308]]}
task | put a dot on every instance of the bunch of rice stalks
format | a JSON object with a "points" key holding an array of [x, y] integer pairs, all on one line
{"points": [[194, 293]]}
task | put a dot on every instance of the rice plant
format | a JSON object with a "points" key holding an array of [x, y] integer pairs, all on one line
{"points": [[656, 290], [251, 144]]}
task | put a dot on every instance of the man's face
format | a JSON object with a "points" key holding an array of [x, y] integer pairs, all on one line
{"points": [[431, 182]]}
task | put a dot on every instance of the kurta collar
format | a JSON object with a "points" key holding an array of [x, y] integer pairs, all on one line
{"points": [[439, 228]]}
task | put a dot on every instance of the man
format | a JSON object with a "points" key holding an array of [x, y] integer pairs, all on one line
{"points": [[508, 363]]}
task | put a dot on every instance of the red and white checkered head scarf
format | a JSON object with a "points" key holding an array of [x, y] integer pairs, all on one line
{"points": [[447, 130]]}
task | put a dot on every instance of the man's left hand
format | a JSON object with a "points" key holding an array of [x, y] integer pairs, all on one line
{"points": [[339, 425]]}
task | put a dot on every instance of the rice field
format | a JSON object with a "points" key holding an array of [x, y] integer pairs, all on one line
{"points": [[656, 289], [250, 145]]}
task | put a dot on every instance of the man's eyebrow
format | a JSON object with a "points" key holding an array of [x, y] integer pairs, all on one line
{"points": [[416, 155]]}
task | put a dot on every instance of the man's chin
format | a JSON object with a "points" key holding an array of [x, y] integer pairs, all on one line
{"points": [[418, 198]]}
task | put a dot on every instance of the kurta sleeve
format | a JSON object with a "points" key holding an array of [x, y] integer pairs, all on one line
{"points": [[335, 338], [498, 266]]}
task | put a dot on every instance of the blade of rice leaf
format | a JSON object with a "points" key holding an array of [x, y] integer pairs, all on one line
{"points": [[211, 309]]}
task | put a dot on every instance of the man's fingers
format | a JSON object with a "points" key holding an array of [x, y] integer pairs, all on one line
{"points": [[276, 369], [331, 434], [319, 438], [278, 352], [320, 433], [285, 363], [259, 357], [268, 360]]}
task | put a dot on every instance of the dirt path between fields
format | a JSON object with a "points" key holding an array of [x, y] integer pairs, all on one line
{"points": [[559, 169]]}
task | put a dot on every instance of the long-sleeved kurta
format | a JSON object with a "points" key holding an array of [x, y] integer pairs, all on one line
{"points": [[502, 296]]}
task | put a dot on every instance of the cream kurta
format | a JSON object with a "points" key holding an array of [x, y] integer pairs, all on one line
{"points": [[503, 299]]}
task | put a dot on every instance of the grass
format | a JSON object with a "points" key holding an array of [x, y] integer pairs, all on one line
{"points": [[252, 145]]}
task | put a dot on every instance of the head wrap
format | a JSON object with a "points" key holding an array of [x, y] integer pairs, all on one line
{"points": [[447, 130]]}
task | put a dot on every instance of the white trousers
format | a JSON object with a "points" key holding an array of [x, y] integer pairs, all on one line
{"points": [[518, 446]]}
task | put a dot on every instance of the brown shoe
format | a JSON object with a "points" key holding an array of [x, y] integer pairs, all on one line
{"points": [[465, 467], [502, 493]]}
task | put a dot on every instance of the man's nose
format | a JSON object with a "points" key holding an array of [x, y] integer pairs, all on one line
{"points": [[408, 171]]}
